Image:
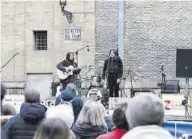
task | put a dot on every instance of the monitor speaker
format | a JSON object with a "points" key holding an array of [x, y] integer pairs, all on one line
{"points": [[184, 63]]}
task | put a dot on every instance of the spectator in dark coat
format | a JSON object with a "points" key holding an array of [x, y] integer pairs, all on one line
{"points": [[25, 124]]}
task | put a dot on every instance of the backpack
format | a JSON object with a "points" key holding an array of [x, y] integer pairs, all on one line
{"points": [[63, 111]]}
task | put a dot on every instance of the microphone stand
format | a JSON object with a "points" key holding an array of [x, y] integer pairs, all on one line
{"points": [[78, 50], [132, 92], [162, 81], [77, 59]]}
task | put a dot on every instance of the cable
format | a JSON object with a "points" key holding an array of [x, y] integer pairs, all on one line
{"points": [[9, 60]]}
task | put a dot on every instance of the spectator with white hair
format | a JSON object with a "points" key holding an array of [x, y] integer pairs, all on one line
{"points": [[145, 115], [90, 123], [53, 128], [25, 124]]}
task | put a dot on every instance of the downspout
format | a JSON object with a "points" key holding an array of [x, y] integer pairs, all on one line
{"points": [[121, 29]]}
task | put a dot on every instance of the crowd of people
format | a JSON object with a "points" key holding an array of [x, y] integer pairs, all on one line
{"points": [[73, 118]]}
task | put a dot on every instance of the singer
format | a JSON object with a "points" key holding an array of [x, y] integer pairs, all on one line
{"points": [[113, 72]]}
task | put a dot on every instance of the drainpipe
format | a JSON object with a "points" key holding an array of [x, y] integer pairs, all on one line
{"points": [[121, 28]]}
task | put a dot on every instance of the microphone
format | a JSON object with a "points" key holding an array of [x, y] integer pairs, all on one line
{"points": [[87, 48], [162, 67], [129, 71]]}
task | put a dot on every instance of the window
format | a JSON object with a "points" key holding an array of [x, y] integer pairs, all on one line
{"points": [[40, 38], [15, 91]]}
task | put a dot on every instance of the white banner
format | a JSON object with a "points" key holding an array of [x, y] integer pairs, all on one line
{"points": [[173, 104]]}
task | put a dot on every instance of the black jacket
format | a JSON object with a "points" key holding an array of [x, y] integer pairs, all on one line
{"points": [[113, 65], [87, 131], [25, 124]]}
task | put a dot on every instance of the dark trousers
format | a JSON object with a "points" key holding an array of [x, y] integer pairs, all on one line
{"points": [[113, 85], [64, 83]]}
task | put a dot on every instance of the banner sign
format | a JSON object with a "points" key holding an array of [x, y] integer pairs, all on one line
{"points": [[173, 104]]}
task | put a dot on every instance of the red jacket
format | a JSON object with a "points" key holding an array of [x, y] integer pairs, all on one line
{"points": [[115, 134]]}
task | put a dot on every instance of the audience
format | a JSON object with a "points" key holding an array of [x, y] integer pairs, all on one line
{"points": [[72, 119], [53, 128], [63, 111], [121, 126], [145, 115], [90, 123], [24, 124]]}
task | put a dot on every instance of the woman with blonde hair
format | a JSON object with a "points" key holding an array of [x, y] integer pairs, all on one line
{"points": [[90, 123], [53, 128]]}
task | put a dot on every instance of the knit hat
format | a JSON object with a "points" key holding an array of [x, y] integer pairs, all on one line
{"points": [[68, 94]]}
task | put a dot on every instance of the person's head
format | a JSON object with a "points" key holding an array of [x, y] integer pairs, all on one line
{"points": [[32, 96], [77, 104], [53, 128], [92, 113], [112, 53], [70, 56], [8, 110], [145, 109], [119, 119]]}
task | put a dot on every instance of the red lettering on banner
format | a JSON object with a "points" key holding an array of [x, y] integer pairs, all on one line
{"points": [[167, 104]]}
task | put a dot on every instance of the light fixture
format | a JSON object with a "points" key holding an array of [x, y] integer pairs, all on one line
{"points": [[68, 14]]}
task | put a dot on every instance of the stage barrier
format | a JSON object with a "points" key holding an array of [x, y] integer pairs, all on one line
{"points": [[179, 128]]}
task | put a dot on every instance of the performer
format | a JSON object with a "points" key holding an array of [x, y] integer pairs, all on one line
{"points": [[63, 67], [113, 71]]}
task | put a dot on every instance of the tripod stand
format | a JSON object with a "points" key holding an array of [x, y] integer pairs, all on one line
{"points": [[186, 98]]}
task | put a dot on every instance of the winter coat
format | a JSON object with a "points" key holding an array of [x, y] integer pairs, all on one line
{"points": [[25, 124], [147, 132], [115, 134], [113, 65], [87, 131]]}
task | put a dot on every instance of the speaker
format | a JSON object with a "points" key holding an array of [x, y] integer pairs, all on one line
{"points": [[184, 63]]}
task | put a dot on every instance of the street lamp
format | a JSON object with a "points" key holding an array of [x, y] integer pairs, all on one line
{"points": [[68, 14]]}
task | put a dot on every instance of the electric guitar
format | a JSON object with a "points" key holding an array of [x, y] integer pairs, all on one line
{"points": [[69, 71]]}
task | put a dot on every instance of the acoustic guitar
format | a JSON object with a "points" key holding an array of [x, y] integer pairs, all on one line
{"points": [[69, 71]]}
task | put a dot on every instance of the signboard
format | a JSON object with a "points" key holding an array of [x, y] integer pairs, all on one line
{"points": [[173, 104], [73, 34]]}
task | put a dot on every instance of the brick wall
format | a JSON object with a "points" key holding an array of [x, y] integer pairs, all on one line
{"points": [[106, 30], [153, 32]]}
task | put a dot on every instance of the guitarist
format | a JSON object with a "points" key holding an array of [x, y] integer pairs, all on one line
{"points": [[113, 71], [66, 63]]}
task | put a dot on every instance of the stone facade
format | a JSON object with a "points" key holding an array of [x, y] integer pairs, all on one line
{"points": [[20, 19], [153, 32]]}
